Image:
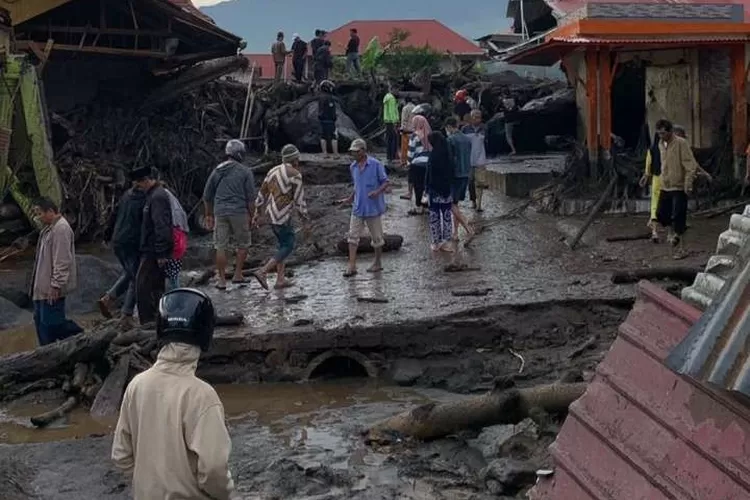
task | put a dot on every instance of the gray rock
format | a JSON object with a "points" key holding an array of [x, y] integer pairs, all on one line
{"points": [[18, 297], [304, 127], [11, 315], [491, 440], [508, 476], [406, 371], [95, 276]]}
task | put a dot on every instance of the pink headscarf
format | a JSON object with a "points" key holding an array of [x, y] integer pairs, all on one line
{"points": [[422, 128]]}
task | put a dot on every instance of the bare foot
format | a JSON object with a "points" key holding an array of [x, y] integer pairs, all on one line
{"points": [[349, 273], [261, 280], [283, 284]]}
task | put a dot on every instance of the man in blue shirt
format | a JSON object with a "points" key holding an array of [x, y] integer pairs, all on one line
{"points": [[368, 205]]}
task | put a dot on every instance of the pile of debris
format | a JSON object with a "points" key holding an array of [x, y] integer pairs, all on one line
{"points": [[183, 138]]}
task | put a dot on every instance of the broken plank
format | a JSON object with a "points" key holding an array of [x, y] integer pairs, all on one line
{"points": [[109, 397]]}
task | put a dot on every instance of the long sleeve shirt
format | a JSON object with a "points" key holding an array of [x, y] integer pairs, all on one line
{"points": [[282, 191], [407, 113], [390, 109], [55, 265], [678, 165]]}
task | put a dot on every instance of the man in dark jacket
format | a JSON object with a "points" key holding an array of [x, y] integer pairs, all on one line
{"points": [[156, 245], [323, 62], [126, 242], [327, 118], [299, 53], [315, 44]]}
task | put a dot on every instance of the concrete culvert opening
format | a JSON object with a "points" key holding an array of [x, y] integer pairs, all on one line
{"points": [[340, 364]]}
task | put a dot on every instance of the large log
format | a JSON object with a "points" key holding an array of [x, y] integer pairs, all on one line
{"points": [[56, 359], [655, 273], [499, 406]]}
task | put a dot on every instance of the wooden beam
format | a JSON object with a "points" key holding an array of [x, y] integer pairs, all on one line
{"points": [[96, 31], [26, 45], [739, 106], [592, 110], [605, 104]]}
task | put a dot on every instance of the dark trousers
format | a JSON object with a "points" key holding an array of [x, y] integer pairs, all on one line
{"points": [[473, 185], [149, 288], [279, 71], [125, 284], [417, 175], [672, 210], [51, 323], [391, 138], [299, 68]]}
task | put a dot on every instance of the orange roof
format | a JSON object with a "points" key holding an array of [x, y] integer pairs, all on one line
{"points": [[421, 32], [564, 7]]}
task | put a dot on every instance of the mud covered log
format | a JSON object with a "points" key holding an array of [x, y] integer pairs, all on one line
{"points": [[107, 401], [646, 235], [499, 406], [56, 359], [655, 273], [235, 319], [45, 419], [393, 242]]}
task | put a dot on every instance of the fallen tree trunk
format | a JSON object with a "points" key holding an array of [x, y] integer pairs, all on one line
{"points": [[509, 406], [655, 273], [53, 359], [45, 419], [393, 242], [109, 397], [629, 237]]}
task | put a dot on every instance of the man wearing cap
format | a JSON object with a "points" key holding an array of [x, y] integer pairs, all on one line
{"points": [[280, 194], [229, 198], [299, 54], [368, 205], [156, 248]]}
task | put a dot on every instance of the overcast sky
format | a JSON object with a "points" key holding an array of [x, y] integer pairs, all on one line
{"points": [[257, 21]]}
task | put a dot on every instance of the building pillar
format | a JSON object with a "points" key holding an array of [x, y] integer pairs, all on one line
{"points": [[605, 106], [739, 109], [592, 110]]}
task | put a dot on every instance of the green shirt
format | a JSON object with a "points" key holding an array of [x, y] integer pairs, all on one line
{"points": [[390, 109]]}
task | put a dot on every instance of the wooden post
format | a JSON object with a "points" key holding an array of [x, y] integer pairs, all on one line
{"points": [[592, 111], [605, 105], [739, 109]]}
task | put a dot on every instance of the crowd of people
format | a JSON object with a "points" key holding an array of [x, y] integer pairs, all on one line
{"points": [[318, 50]]}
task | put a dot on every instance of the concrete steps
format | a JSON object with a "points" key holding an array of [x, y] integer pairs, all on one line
{"points": [[721, 265]]}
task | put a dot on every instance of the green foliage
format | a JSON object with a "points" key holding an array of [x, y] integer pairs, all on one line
{"points": [[371, 56], [396, 61], [338, 72]]}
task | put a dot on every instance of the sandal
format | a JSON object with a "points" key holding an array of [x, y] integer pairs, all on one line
{"points": [[350, 272], [282, 286], [218, 286], [104, 308], [374, 269]]}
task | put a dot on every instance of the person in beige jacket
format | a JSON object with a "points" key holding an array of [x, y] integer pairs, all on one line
{"points": [[678, 172], [54, 274], [171, 436]]}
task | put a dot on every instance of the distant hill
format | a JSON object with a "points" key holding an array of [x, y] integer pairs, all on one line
{"points": [[257, 21]]}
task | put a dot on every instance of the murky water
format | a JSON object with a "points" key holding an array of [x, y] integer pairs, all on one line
{"points": [[275, 406], [23, 338]]}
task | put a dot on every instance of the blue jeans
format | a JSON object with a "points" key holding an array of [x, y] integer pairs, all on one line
{"points": [[352, 64], [285, 236], [51, 323], [129, 260]]}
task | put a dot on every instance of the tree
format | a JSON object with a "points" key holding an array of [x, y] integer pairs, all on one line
{"points": [[395, 61]]}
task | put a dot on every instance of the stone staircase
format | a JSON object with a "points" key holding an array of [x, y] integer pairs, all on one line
{"points": [[721, 265]]}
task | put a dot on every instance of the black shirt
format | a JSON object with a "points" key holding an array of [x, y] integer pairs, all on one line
{"points": [[326, 108], [462, 109], [315, 44], [299, 49], [353, 46]]}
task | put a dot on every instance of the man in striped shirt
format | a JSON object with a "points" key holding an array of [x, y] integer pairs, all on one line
{"points": [[280, 194]]}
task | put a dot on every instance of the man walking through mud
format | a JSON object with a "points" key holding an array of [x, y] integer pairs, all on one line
{"points": [[281, 193], [171, 437], [157, 245], [460, 146], [678, 172], [368, 205], [229, 198], [55, 274]]}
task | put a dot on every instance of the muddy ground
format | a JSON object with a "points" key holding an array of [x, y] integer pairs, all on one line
{"points": [[554, 307]]}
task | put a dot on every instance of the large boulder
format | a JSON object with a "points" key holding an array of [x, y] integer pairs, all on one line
{"points": [[95, 276], [303, 127], [11, 315]]}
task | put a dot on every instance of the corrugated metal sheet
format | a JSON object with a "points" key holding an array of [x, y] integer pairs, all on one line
{"points": [[716, 348], [643, 432], [723, 264]]}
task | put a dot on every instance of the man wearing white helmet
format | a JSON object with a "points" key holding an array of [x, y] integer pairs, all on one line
{"points": [[229, 198]]}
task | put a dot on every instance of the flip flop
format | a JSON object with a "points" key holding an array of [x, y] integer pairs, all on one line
{"points": [[282, 286], [223, 288], [374, 269], [349, 273], [261, 280], [104, 309]]}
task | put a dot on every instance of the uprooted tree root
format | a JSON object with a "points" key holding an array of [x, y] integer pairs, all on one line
{"points": [[502, 405]]}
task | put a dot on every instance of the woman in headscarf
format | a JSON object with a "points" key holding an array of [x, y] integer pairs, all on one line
{"points": [[653, 173], [438, 183], [418, 158]]}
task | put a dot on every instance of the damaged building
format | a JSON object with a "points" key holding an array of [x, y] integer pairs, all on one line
{"points": [[632, 64], [63, 59]]}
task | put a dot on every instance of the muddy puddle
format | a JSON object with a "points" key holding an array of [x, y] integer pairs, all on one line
{"points": [[23, 338], [273, 406]]}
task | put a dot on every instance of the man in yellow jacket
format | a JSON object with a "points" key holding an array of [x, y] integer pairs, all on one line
{"points": [[171, 436]]}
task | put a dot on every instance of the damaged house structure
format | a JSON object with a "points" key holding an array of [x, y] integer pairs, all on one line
{"points": [[61, 56], [633, 63]]}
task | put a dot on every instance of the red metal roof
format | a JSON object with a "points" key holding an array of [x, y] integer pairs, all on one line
{"points": [[643, 432], [421, 32]]}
